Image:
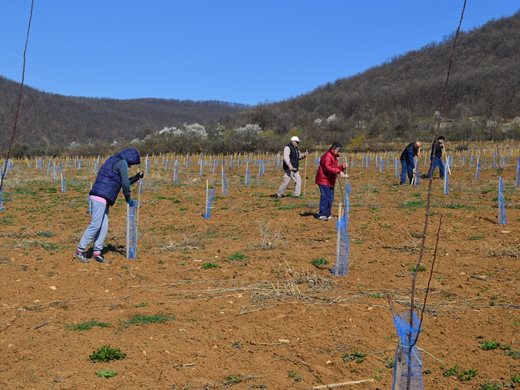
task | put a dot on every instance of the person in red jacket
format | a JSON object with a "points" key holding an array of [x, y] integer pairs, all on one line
{"points": [[326, 179]]}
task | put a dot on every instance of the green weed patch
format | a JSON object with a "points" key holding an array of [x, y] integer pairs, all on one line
{"points": [[106, 353], [88, 325]]}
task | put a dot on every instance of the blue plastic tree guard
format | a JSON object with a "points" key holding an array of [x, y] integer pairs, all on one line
{"points": [[477, 170], [211, 195], [342, 257], [225, 186], [247, 178], [346, 201], [63, 183], [131, 231], [408, 360], [502, 220], [176, 171]]}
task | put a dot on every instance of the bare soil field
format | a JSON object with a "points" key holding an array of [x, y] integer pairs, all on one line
{"points": [[235, 302]]}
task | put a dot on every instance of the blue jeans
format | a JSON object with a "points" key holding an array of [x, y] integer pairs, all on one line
{"points": [[436, 162], [97, 229], [326, 199], [406, 170]]}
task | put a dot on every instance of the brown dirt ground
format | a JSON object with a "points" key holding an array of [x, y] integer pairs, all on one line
{"points": [[271, 320]]}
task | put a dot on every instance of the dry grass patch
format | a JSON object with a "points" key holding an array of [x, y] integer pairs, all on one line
{"points": [[501, 250], [186, 243], [301, 284], [270, 237]]}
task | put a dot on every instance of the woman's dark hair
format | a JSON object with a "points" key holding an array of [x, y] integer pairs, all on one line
{"points": [[336, 145]]}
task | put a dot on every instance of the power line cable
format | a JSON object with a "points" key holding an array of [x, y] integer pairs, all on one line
{"points": [[20, 93], [411, 343], [428, 199]]}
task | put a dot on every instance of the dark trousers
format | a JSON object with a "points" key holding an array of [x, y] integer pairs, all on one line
{"points": [[326, 199], [406, 170], [436, 162]]}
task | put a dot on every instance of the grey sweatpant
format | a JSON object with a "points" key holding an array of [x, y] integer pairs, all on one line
{"points": [[288, 175], [97, 229]]}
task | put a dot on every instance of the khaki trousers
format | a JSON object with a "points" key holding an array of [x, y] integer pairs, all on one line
{"points": [[288, 175]]}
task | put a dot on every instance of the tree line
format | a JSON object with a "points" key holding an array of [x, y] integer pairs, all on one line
{"points": [[400, 98], [395, 101]]}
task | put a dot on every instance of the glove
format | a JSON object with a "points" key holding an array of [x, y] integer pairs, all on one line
{"points": [[131, 203], [138, 176]]}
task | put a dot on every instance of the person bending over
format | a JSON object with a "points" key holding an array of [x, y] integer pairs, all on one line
{"points": [[111, 178], [408, 161]]}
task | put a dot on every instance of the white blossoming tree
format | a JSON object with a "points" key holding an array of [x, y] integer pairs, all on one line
{"points": [[247, 135], [195, 129]]}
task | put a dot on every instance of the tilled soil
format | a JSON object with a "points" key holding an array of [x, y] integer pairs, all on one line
{"points": [[241, 302]]}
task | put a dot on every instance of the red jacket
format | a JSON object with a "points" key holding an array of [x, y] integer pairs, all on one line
{"points": [[328, 169]]}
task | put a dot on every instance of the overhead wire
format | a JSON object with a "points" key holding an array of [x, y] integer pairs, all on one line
{"points": [[20, 94], [428, 205], [428, 201]]}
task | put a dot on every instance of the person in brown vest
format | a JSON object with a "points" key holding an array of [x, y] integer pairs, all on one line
{"points": [[291, 161]]}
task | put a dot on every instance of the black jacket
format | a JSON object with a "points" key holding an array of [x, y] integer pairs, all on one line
{"points": [[294, 158]]}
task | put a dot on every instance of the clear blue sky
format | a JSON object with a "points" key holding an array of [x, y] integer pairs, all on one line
{"points": [[245, 51]]}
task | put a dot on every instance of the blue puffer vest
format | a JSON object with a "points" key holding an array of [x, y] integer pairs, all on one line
{"points": [[108, 183]]}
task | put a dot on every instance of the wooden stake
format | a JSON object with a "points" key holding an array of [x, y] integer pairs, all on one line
{"points": [[338, 237], [333, 385], [305, 175], [447, 163]]}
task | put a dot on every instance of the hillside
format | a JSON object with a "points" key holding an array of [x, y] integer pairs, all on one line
{"points": [[399, 98], [395, 101], [49, 122]]}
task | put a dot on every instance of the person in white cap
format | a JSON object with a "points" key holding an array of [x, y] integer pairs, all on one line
{"points": [[291, 159]]}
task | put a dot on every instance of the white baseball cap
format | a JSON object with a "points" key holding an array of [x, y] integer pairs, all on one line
{"points": [[294, 138]]}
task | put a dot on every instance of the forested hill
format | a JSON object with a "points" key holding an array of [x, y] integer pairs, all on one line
{"points": [[399, 99], [49, 122], [395, 101]]}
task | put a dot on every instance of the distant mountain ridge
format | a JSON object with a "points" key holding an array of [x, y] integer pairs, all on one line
{"points": [[49, 122]]}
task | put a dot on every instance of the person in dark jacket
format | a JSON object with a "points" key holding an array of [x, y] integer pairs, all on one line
{"points": [[408, 161], [328, 170], [291, 162], [436, 157], [112, 176]]}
